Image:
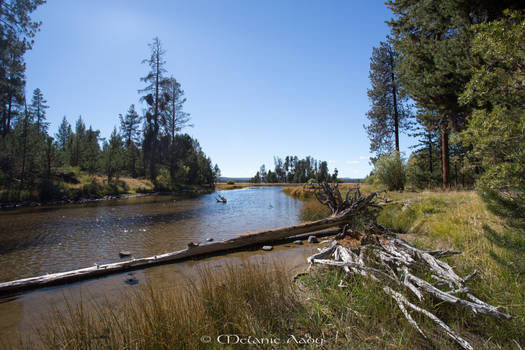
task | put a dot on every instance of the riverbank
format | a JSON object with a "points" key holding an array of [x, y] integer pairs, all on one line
{"points": [[260, 301], [456, 220], [239, 185], [83, 188]]}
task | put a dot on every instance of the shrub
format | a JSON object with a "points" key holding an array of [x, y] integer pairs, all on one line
{"points": [[390, 170], [163, 180], [230, 182]]}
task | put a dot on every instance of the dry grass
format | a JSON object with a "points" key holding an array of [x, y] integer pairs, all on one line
{"points": [[460, 220], [254, 299], [237, 185], [261, 301]]}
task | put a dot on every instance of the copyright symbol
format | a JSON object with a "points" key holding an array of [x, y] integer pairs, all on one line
{"points": [[205, 339]]}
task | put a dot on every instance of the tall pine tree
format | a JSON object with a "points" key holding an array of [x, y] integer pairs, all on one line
{"points": [[389, 113]]}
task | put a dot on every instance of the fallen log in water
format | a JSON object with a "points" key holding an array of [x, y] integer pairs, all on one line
{"points": [[193, 250]]}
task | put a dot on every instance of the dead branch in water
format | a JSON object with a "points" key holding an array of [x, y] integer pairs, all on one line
{"points": [[378, 254], [358, 207]]}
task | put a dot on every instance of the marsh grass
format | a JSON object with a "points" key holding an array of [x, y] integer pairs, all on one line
{"points": [[261, 300], [253, 299], [460, 220]]}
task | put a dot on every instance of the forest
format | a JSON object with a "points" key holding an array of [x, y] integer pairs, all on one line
{"points": [[37, 166], [451, 75], [295, 170]]}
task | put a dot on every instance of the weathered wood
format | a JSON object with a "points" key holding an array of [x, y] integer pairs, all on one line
{"points": [[242, 241], [391, 262], [345, 211]]}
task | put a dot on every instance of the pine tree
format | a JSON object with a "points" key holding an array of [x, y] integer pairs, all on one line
{"points": [[130, 131], [63, 138], [175, 119], [91, 151], [435, 61], [112, 154], [388, 115], [16, 37], [78, 146], [37, 110], [156, 102]]}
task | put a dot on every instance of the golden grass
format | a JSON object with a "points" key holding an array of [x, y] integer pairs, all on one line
{"points": [[255, 299], [460, 220], [261, 301]]}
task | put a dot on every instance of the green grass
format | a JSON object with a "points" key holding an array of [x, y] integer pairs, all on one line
{"points": [[262, 301], [255, 299], [460, 220]]}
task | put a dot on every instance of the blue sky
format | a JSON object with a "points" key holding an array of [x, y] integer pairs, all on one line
{"points": [[262, 78]]}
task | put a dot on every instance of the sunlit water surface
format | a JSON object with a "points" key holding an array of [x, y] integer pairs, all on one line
{"points": [[35, 241]]}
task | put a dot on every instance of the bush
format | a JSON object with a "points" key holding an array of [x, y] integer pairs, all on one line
{"points": [[390, 170], [163, 180], [230, 182]]}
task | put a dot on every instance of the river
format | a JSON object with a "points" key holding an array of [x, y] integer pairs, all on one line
{"points": [[35, 241]]}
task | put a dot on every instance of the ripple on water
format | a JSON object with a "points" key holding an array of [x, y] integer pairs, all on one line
{"points": [[44, 240]]}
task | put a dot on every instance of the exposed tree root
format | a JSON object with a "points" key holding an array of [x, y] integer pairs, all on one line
{"points": [[378, 254]]}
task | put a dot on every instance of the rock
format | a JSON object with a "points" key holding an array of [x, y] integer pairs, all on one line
{"points": [[124, 253], [267, 247], [192, 245], [298, 242], [312, 239], [209, 239], [131, 281]]}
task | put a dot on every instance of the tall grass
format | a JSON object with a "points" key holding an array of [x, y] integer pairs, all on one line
{"points": [[460, 220], [255, 299], [261, 300]]}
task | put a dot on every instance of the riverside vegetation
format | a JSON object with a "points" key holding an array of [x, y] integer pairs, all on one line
{"points": [[35, 166], [262, 300]]}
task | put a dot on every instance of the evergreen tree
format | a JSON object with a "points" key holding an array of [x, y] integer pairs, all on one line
{"points": [[388, 115], [156, 102], [16, 37], [78, 143], [112, 155], [64, 140], [216, 173], [175, 119], [496, 131], [435, 61], [91, 148], [38, 111], [130, 131]]}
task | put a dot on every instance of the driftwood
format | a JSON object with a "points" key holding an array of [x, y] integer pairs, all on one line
{"points": [[220, 199], [379, 255], [357, 208]]}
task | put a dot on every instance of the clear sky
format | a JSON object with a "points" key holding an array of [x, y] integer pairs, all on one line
{"points": [[262, 78]]}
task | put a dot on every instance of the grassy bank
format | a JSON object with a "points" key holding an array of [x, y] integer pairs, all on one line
{"points": [[237, 185], [262, 301], [460, 220], [73, 185]]}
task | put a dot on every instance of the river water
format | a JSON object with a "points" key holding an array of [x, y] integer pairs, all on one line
{"points": [[35, 241]]}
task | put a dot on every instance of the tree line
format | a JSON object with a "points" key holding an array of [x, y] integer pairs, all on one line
{"points": [[294, 170], [34, 164], [450, 74]]}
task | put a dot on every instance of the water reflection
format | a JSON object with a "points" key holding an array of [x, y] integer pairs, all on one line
{"points": [[45, 240]]}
